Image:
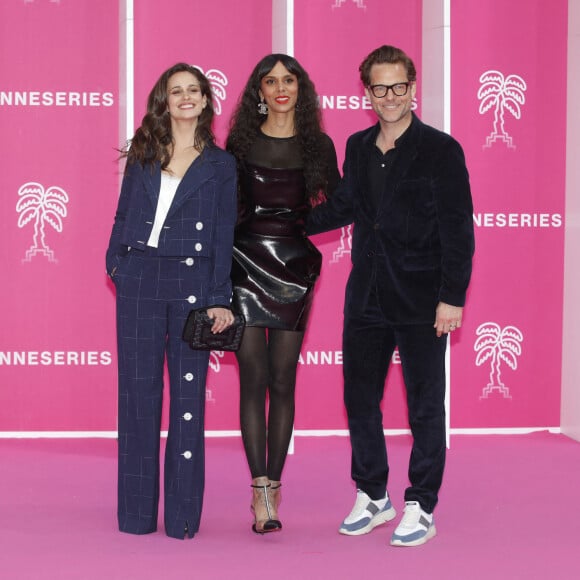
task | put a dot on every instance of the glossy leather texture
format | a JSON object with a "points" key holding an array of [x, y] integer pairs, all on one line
{"points": [[275, 265]]}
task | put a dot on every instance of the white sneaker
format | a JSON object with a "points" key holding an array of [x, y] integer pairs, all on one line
{"points": [[416, 527], [367, 514]]}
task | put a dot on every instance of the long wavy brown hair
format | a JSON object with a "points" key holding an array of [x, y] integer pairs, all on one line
{"points": [[246, 122], [153, 140]]}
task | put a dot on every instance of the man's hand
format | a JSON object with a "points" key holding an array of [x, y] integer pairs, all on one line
{"points": [[447, 318]]}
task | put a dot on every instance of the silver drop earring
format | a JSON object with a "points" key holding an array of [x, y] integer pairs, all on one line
{"points": [[262, 107]]}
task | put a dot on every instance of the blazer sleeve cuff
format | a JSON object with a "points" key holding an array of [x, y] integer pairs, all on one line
{"points": [[452, 298]]}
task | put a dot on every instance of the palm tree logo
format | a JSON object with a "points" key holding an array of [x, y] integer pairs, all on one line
{"points": [[502, 94], [344, 245], [214, 360], [41, 207], [218, 82], [359, 4], [497, 344], [215, 366]]}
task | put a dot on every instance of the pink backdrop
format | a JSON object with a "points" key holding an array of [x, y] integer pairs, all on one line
{"points": [[509, 64], [59, 114], [332, 54], [225, 39]]}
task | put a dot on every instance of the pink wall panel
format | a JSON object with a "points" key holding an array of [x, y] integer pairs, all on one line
{"points": [[59, 118], [225, 39], [508, 111], [331, 39], [59, 115], [222, 37]]}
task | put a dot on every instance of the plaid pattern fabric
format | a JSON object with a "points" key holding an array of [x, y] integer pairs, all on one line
{"points": [[153, 299]]}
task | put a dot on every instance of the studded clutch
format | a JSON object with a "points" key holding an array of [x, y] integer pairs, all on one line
{"points": [[197, 332]]}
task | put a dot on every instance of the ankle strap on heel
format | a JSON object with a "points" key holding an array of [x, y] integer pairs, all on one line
{"points": [[265, 487]]}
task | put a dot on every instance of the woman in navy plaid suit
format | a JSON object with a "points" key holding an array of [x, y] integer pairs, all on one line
{"points": [[170, 251]]}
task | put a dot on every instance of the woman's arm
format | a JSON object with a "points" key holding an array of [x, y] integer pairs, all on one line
{"points": [[116, 250], [220, 290]]}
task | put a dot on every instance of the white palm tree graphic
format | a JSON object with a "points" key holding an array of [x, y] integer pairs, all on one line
{"points": [[501, 93], [339, 3], [497, 344], [215, 366], [43, 207], [214, 360], [218, 82], [345, 244]]}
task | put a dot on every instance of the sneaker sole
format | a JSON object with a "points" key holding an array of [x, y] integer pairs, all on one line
{"points": [[378, 520], [431, 533]]}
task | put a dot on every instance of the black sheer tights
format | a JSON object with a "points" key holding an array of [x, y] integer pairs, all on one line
{"points": [[267, 361]]}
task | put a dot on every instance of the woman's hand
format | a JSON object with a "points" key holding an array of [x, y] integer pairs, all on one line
{"points": [[222, 318]]}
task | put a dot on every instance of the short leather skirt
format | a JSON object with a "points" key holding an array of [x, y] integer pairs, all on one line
{"points": [[273, 279]]}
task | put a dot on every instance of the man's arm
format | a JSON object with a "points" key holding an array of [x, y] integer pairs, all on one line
{"points": [[338, 210], [452, 196]]}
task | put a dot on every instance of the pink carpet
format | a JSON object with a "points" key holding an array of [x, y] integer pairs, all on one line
{"points": [[507, 511]]}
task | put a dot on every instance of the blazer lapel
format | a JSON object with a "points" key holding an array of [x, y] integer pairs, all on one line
{"points": [[152, 183], [364, 153], [198, 173]]}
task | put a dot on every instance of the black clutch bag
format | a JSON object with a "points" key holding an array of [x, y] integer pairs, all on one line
{"points": [[197, 332]]}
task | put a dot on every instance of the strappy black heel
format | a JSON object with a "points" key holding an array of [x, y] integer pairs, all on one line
{"points": [[265, 516]]}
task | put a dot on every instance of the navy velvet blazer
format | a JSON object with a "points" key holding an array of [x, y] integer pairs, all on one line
{"points": [[200, 221], [418, 244]]}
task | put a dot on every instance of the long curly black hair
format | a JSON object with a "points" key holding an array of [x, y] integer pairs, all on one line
{"points": [[246, 122], [153, 140]]}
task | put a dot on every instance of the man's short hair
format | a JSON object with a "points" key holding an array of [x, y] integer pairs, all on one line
{"points": [[386, 54]]}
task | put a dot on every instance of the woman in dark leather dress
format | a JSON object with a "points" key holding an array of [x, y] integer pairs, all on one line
{"points": [[285, 165]]}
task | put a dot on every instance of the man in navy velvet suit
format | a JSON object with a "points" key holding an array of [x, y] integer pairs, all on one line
{"points": [[406, 189]]}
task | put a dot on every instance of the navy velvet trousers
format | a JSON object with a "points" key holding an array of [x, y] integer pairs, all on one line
{"points": [[154, 297], [368, 345]]}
